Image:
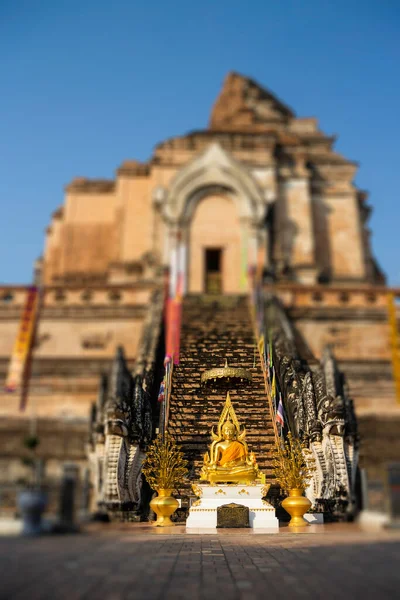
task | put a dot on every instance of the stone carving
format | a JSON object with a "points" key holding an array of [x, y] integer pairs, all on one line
{"points": [[96, 341], [318, 409], [312, 424], [122, 424]]}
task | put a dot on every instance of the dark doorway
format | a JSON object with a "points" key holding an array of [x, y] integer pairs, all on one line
{"points": [[213, 270]]}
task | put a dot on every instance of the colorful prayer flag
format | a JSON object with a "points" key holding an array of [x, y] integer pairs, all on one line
{"points": [[173, 326], [169, 334], [161, 393], [280, 415], [261, 346], [273, 385], [177, 330], [19, 368]]}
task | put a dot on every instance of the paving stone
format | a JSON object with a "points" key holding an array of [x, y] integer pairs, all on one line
{"points": [[342, 562]]}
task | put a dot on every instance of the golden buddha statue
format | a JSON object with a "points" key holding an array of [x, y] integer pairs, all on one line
{"points": [[229, 459]]}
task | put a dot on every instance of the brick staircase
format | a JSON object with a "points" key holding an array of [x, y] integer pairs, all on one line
{"points": [[215, 328]]}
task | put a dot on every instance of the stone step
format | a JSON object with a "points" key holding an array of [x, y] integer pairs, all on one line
{"points": [[213, 329]]}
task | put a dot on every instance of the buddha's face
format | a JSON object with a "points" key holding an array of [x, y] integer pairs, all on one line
{"points": [[228, 431]]}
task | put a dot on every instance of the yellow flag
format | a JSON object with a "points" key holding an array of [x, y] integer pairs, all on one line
{"points": [[23, 342], [261, 345], [273, 386]]}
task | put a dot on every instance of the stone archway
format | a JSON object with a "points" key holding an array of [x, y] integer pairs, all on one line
{"points": [[215, 192]]}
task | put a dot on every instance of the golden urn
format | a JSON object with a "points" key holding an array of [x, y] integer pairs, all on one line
{"points": [[297, 505], [164, 505], [164, 468], [294, 466]]}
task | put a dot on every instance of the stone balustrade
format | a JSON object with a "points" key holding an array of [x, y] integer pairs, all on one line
{"points": [[292, 296], [295, 296], [14, 296]]}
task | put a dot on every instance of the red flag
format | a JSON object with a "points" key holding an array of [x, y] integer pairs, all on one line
{"points": [[177, 331], [169, 331]]}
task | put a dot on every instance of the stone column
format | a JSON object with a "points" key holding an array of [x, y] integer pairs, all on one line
{"points": [[263, 258], [166, 245], [253, 244], [346, 243], [338, 223], [295, 222], [185, 255]]}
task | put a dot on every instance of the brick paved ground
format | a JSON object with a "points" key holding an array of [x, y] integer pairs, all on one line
{"points": [[135, 564]]}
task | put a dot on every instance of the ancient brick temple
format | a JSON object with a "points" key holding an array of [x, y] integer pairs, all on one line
{"points": [[257, 182]]}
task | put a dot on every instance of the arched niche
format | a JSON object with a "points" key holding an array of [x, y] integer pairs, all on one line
{"points": [[216, 192], [214, 237]]}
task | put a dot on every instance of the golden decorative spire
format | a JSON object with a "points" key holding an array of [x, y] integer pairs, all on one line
{"points": [[227, 414]]}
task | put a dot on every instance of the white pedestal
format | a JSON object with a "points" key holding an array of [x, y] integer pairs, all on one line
{"points": [[203, 513]]}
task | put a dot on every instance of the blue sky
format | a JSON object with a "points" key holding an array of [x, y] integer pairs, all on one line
{"points": [[86, 84]]}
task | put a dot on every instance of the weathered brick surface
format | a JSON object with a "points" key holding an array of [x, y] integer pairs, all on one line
{"points": [[214, 329]]}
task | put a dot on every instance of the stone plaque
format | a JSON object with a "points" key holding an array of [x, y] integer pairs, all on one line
{"points": [[233, 515], [394, 489]]}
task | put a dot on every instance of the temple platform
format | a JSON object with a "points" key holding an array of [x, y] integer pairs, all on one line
{"points": [[203, 513]]}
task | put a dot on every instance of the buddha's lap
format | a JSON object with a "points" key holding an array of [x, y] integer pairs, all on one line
{"points": [[234, 466], [233, 463]]}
